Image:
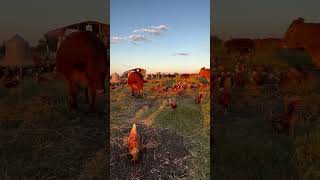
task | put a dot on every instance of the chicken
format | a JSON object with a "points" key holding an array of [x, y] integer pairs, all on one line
{"points": [[285, 122], [172, 104], [198, 98], [134, 143]]}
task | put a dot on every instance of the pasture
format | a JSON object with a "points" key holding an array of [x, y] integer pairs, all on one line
{"points": [[40, 138], [177, 140], [245, 145]]}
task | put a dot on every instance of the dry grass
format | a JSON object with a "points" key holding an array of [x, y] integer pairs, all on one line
{"points": [[41, 139], [184, 131], [245, 145]]}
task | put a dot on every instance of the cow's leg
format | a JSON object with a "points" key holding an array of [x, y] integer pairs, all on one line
{"points": [[72, 94], [92, 99], [132, 91]]}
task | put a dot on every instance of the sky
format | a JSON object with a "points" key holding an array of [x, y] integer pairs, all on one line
{"points": [[258, 18], [160, 35], [33, 18]]}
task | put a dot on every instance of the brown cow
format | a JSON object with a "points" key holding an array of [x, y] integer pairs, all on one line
{"points": [[205, 73], [301, 35], [82, 60], [135, 81]]}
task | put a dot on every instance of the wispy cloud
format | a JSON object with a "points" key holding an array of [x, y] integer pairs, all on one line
{"points": [[137, 37], [142, 36], [116, 40], [182, 54], [153, 30]]}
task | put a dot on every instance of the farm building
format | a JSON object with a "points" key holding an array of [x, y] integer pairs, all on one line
{"points": [[17, 52], [55, 37], [142, 71]]}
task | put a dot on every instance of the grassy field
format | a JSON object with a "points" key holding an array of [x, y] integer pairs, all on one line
{"points": [[40, 138], [245, 145], [185, 130]]}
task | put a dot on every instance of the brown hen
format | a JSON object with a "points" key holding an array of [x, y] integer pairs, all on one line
{"points": [[134, 143]]}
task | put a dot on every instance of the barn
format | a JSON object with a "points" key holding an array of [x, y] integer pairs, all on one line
{"points": [[55, 37]]}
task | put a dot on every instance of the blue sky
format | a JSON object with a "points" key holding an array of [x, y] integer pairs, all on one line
{"points": [[33, 18], [254, 18], [160, 36]]}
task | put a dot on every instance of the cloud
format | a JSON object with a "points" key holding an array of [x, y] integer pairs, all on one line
{"points": [[137, 38], [182, 54], [153, 30], [116, 40]]}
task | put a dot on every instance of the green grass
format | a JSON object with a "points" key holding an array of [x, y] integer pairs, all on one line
{"points": [[190, 120], [248, 149]]}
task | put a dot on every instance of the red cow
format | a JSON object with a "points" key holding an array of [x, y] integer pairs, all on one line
{"points": [[135, 81], [205, 73], [82, 60]]}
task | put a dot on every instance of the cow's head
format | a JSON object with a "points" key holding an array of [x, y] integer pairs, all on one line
{"points": [[295, 35]]}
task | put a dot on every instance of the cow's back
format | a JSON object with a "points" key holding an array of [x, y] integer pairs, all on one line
{"points": [[134, 78], [80, 50], [205, 73]]}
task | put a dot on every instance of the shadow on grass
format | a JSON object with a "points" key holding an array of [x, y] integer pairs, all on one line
{"points": [[41, 138]]}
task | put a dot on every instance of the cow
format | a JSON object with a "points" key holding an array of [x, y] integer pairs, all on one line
{"points": [[205, 73], [135, 81], [82, 60], [301, 35]]}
